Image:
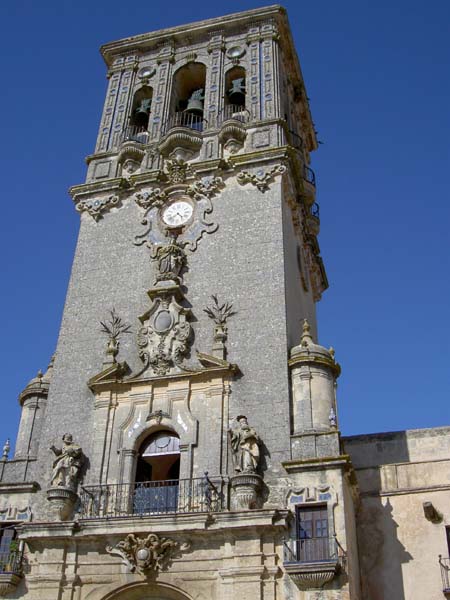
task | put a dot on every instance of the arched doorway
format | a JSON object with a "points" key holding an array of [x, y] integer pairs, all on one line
{"points": [[157, 474], [145, 591]]}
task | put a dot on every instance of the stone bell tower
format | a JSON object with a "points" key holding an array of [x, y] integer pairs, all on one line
{"points": [[201, 454]]}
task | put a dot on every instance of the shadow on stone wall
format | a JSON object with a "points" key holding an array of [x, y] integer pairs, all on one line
{"points": [[381, 552]]}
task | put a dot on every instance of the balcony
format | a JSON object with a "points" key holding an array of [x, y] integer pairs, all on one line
{"points": [[311, 562], [232, 121], [11, 570], [445, 574], [182, 130], [134, 133], [150, 498]]}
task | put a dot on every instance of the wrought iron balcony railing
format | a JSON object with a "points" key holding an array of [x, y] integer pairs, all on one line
{"points": [[234, 112], [309, 175], [445, 574], [135, 133], [295, 140], [155, 497], [184, 119], [11, 562], [310, 550]]}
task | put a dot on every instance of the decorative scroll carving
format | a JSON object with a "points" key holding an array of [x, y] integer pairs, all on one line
{"points": [[260, 178], [201, 191], [163, 338], [152, 553], [97, 206], [208, 186], [150, 198]]}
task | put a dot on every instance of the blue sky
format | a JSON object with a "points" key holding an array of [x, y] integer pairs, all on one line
{"points": [[377, 77]]}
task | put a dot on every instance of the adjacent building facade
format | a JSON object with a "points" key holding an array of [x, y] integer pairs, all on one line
{"points": [[184, 441]]}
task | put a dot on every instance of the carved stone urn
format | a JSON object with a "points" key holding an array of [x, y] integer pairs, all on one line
{"points": [[62, 502], [245, 491]]}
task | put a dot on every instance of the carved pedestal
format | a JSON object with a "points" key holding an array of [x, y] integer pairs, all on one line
{"points": [[312, 575], [62, 502], [8, 583], [245, 491]]}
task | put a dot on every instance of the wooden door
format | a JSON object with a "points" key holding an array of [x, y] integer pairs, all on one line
{"points": [[313, 543]]}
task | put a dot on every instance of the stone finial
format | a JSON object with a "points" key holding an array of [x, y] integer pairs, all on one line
{"points": [[306, 339], [113, 328], [6, 449], [219, 313]]}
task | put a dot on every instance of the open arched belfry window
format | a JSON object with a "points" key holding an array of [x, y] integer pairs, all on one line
{"points": [[157, 473]]}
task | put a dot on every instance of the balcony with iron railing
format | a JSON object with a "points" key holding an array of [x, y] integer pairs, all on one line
{"points": [[182, 130], [234, 112], [186, 120], [153, 498], [11, 570], [135, 133], [311, 562], [445, 574]]}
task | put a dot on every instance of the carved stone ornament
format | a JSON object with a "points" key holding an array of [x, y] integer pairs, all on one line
{"points": [[260, 178], [152, 553], [97, 206], [164, 336], [154, 200]]}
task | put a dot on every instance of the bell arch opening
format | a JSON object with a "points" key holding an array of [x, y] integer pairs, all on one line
{"points": [[188, 96], [157, 473], [235, 89]]}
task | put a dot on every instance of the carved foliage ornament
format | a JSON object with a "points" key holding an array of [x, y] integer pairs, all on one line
{"points": [[260, 179], [97, 206], [152, 553]]}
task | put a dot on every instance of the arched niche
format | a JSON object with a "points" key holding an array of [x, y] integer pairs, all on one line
{"points": [[188, 96], [141, 108], [235, 87]]}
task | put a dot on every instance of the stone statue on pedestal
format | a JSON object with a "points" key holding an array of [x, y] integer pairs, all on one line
{"points": [[245, 446], [67, 465]]}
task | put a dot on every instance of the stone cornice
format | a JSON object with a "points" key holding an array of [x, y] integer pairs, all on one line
{"points": [[302, 359], [162, 524], [19, 488], [88, 190], [327, 462], [199, 30]]}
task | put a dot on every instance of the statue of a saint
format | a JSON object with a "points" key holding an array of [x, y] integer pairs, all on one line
{"points": [[245, 446], [171, 259], [67, 465]]}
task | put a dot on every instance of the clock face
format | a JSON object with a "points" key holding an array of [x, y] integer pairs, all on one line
{"points": [[177, 214]]}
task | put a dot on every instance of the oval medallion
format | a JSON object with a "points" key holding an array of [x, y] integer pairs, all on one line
{"points": [[163, 321]]}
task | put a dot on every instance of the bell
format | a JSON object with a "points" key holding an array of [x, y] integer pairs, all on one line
{"points": [[237, 91], [195, 103], [141, 112]]}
